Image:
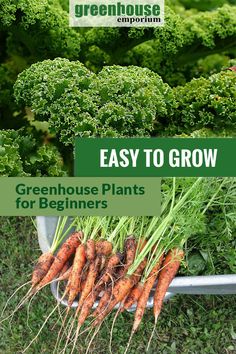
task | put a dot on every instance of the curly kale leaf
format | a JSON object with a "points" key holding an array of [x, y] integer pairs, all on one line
{"points": [[124, 101], [210, 65], [40, 27], [197, 33], [45, 82], [177, 47], [21, 155], [10, 160], [118, 101], [207, 103], [139, 98]]}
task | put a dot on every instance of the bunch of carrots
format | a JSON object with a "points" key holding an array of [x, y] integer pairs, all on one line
{"points": [[93, 271], [112, 263], [97, 272]]}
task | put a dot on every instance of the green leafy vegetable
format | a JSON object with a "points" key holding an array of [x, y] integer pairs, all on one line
{"points": [[123, 101], [207, 103], [21, 155], [118, 101]]}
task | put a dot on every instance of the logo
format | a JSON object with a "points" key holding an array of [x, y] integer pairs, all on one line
{"points": [[98, 13]]}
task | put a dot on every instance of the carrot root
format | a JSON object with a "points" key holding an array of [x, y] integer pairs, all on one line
{"points": [[91, 277], [133, 296], [169, 269], [65, 252], [41, 268], [77, 268], [143, 298]]}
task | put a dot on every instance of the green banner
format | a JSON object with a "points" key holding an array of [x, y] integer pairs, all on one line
{"points": [[155, 157], [72, 196]]}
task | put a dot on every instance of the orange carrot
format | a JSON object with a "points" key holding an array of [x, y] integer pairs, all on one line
{"points": [[103, 302], [84, 276], [41, 268], [169, 269], [82, 284], [135, 293], [103, 262], [103, 247], [88, 304], [65, 268], [91, 277], [67, 249], [113, 261], [133, 296], [120, 290], [106, 296], [65, 275], [130, 250], [119, 272], [74, 281], [107, 299], [90, 250], [142, 301]]}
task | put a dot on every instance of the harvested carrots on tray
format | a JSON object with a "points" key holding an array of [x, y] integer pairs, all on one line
{"points": [[117, 263]]}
